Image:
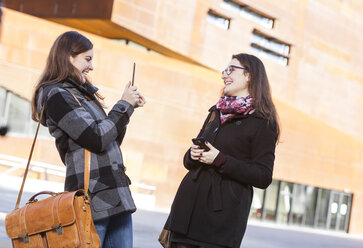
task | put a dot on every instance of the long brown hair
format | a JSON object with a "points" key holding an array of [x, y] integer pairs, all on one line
{"points": [[259, 88], [59, 66]]}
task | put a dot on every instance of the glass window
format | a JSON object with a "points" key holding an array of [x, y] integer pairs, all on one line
{"points": [[270, 47], [266, 54], [218, 20], [322, 209], [257, 201], [269, 211], [284, 206], [344, 213], [298, 204], [248, 13], [15, 112], [310, 205], [334, 210], [18, 114], [270, 44]]}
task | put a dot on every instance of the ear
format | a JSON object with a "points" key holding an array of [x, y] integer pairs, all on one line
{"points": [[248, 75], [71, 59]]}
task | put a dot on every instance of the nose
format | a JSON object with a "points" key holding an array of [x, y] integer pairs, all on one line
{"points": [[90, 67], [224, 74]]}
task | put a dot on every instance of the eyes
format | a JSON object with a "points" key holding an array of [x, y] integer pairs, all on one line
{"points": [[88, 59], [228, 70], [231, 68]]}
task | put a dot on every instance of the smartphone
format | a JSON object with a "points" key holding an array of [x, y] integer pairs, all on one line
{"points": [[200, 141], [133, 75]]}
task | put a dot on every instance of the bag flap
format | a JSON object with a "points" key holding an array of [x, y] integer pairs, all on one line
{"points": [[42, 215]]}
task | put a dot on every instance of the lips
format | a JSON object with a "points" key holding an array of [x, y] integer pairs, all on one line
{"points": [[227, 82], [85, 73]]}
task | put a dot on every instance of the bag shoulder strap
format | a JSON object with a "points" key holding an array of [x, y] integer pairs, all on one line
{"points": [[87, 164], [30, 156], [87, 161]]}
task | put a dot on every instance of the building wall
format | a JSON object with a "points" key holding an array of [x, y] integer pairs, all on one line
{"points": [[178, 96], [323, 78]]}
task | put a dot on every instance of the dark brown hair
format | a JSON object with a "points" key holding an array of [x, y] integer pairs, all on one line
{"points": [[259, 88], [59, 66]]}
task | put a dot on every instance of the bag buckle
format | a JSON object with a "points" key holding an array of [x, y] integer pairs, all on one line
{"points": [[58, 229], [24, 237]]}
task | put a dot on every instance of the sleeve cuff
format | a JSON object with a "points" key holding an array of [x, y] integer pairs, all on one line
{"points": [[220, 161], [123, 106]]}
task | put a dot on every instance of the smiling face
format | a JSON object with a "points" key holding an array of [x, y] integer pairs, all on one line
{"points": [[83, 63], [236, 83]]}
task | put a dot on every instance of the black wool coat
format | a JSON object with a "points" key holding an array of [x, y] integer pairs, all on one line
{"points": [[212, 204]]}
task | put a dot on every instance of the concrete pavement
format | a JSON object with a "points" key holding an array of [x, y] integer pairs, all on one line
{"points": [[148, 224]]}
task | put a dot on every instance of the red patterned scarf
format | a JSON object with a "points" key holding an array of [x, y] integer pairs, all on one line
{"points": [[230, 106]]}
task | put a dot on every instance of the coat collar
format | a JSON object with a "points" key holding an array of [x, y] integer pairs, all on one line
{"points": [[85, 88]]}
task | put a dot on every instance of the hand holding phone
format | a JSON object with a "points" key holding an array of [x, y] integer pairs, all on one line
{"points": [[200, 141]]}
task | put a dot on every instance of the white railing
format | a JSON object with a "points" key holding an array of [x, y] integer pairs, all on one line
{"points": [[144, 196], [15, 163]]}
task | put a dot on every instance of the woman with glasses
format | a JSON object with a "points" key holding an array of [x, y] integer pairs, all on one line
{"points": [[212, 204]]}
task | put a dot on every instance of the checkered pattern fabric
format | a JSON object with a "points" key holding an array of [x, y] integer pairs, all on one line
{"points": [[76, 127]]}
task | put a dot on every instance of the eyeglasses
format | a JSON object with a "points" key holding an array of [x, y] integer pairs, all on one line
{"points": [[229, 69]]}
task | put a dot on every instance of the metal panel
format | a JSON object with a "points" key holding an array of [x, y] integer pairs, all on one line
{"points": [[63, 8]]}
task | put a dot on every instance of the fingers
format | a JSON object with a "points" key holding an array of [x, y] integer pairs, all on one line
{"points": [[128, 85], [140, 103], [196, 149], [206, 157], [201, 159], [132, 96], [142, 98], [209, 145], [194, 158], [195, 154], [135, 94]]}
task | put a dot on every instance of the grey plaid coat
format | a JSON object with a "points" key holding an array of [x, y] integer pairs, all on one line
{"points": [[75, 128]]}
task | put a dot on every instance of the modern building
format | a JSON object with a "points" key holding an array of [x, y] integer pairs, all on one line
{"points": [[313, 56]]}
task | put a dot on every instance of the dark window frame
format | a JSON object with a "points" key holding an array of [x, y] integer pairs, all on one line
{"points": [[215, 14], [268, 50], [253, 12]]}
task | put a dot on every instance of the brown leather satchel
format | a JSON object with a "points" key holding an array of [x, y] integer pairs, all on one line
{"points": [[63, 220]]}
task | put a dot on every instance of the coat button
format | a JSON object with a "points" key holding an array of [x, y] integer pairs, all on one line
{"points": [[238, 123]]}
